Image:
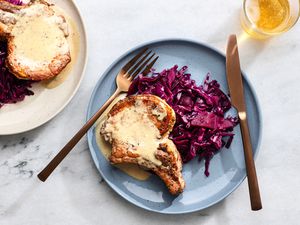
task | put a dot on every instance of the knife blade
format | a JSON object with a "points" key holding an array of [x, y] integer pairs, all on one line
{"points": [[236, 90]]}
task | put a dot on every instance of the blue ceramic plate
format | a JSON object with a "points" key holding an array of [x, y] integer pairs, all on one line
{"points": [[227, 168]]}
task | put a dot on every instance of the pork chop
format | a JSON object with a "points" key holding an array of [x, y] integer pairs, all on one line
{"points": [[36, 39], [138, 128]]}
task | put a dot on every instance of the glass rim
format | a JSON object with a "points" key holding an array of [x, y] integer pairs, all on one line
{"points": [[264, 33]]}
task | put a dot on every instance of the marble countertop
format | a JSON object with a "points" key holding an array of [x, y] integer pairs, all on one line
{"points": [[76, 194]]}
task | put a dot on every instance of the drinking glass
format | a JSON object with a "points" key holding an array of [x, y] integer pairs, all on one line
{"points": [[266, 18]]}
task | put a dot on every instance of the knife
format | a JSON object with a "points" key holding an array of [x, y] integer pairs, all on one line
{"points": [[235, 85]]}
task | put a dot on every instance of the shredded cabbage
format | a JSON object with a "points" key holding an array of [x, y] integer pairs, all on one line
{"points": [[201, 128], [16, 2], [12, 89]]}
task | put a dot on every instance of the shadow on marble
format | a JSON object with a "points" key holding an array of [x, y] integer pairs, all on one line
{"points": [[24, 196], [22, 139], [249, 48]]}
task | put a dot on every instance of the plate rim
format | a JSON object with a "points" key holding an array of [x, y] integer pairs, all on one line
{"points": [[90, 133], [75, 90]]}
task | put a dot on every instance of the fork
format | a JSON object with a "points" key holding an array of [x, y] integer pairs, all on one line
{"points": [[137, 65]]}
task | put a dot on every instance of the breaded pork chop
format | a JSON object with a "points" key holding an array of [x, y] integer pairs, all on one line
{"points": [[138, 128], [36, 39]]}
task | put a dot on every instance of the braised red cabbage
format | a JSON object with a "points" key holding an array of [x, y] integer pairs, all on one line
{"points": [[16, 2], [201, 128], [12, 89]]}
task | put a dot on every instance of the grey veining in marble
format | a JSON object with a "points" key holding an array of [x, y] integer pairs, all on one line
{"points": [[76, 194]]}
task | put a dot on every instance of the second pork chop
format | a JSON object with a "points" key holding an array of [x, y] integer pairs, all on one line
{"points": [[36, 39]]}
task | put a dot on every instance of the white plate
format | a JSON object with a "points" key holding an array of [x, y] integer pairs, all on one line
{"points": [[46, 103]]}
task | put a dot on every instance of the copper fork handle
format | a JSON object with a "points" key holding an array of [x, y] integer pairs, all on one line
{"points": [[46, 172], [250, 166]]}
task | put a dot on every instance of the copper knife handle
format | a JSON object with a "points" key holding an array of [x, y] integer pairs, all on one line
{"points": [[250, 166]]}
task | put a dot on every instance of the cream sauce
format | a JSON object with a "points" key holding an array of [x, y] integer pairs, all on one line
{"points": [[134, 127], [74, 43], [160, 115], [132, 170], [47, 37]]}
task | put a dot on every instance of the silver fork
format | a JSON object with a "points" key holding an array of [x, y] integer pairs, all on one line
{"points": [[137, 65]]}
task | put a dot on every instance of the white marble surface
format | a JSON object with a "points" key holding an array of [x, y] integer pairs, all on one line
{"points": [[76, 194]]}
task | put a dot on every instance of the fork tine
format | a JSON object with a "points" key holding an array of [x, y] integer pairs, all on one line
{"points": [[130, 72], [148, 68], [133, 60], [137, 72]]}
